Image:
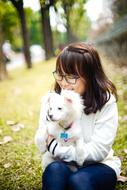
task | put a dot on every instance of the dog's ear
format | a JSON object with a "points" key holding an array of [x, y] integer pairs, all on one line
{"points": [[69, 100], [68, 95], [73, 97], [48, 100], [45, 99]]}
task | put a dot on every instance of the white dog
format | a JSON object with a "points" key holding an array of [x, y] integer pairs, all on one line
{"points": [[63, 116]]}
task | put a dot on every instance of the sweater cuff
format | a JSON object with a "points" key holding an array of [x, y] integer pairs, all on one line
{"points": [[52, 146]]}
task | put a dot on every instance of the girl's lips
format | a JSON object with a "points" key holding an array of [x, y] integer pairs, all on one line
{"points": [[67, 88]]}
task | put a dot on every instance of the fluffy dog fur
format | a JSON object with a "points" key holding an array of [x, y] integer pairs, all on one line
{"points": [[64, 112]]}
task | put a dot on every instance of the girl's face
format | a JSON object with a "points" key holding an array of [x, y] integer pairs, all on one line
{"points": [[79, 86]]}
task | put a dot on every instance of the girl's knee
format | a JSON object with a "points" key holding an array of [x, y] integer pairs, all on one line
{"points": [[55, 175], [80, 180], [56, 166]]}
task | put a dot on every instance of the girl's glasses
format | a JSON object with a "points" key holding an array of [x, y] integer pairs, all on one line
{"points": [[71, 79]]}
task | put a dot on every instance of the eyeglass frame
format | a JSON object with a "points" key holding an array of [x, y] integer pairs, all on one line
{"points": [[64, 76]]}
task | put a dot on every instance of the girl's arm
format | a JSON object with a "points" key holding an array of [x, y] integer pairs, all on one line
{"points": [[41, 133], [101, 141], [104, 134]]}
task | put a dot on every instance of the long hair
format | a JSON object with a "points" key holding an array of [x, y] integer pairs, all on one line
{"points": [[83, 60]]}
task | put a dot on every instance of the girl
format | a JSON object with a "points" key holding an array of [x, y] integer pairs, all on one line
{"points": [[78, 68]]}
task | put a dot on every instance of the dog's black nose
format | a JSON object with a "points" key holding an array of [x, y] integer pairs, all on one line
{"points": [[51, 116]]}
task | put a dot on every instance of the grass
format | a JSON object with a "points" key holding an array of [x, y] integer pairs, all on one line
{"points": [[118, 76], [20, 102], [20, 166]]}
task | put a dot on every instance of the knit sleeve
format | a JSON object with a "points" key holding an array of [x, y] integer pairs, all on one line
{"points": [[41, 133], [104, 132], [66, 153], [103, 136]]}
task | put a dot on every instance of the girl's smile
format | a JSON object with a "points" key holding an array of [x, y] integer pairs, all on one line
{"points": [[78, 87]]}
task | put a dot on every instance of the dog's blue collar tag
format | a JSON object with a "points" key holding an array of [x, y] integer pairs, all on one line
{"points": [[64, 136]]}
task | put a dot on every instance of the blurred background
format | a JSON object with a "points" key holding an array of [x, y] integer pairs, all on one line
{"points": [[34, 30], [32, 33]]}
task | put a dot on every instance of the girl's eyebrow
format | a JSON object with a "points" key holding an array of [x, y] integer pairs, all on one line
{"points": [[67, 74]]}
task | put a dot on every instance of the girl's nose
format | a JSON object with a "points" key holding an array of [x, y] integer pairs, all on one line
{"points": [[64, 83]]}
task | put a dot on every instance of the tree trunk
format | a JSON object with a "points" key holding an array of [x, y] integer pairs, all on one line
{"points": [[25, 39], [19, 7], [47, 32], [70, 35], [3, 69]]}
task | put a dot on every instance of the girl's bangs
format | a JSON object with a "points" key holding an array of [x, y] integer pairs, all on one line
{"points": [[67, 63]]}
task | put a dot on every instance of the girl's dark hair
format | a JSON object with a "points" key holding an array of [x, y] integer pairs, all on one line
{"points": [[83, 60]]}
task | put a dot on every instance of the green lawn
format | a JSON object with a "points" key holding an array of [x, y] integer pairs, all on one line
{"points": [[20, 166]]}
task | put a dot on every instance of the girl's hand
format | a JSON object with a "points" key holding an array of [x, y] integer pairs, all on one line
{"points": [[49, 139]]}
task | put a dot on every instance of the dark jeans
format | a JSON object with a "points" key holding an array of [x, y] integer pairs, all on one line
{"points": [[58, 176]]}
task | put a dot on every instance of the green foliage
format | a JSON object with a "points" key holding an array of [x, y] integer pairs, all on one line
{"points": [[8, 20], [80, 22], [73, 13], [10, 23], [59, 39], [120, 144], [119, 8], [35, 29], [29, 14]]}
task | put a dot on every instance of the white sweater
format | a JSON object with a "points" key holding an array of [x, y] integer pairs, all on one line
{"points": [[99, 131]]}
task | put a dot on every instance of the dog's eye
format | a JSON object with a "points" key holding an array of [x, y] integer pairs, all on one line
{"points": [[50, 109], [59, 108]]}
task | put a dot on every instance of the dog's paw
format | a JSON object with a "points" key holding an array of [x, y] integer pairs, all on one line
{"points": [[79, 155], [46, 160], [80, 161]]}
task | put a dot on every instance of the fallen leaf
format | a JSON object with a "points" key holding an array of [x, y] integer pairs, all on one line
{"points": [[17, 127], [17, 91], [124, 118], [7, 165], [14, 125], [21, 125], [122, 178], [6, 139], [30, 113], [10, 122], [120, 117], [125, 150]]}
